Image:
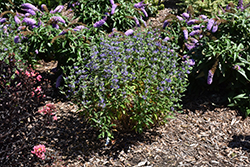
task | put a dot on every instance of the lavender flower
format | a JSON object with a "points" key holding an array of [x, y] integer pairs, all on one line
{"points": [[190, 46], [185, 32], [166, 39], [210, 77], [197, 27], [191, 62], [204, 17], [140, 4], [194, 40], [166, 22], [57, 9], [63, 32], [58, 19], [215, 28], [16, 39], [179, 18], [193, 21], [17, 20], [144, 12], [2, 20], [137, 21], [144, 22], [43, 7], [27, 14], [100, 23], [78, 28], [30, 11], [195, 32], [240, 5], [58, 81], [113, 9], [56, 26], [29, 21], [210, 24], [112, 2], [129, 32], [186, 15], [29, 6]]}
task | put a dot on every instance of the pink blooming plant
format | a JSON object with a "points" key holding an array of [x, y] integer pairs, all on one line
{"points": [[49, 109], [39, 151]]}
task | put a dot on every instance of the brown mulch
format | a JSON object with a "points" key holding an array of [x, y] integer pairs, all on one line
{"points": [[205, 134]]}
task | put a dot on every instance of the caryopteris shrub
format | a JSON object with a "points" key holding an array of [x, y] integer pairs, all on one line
{"points": [[128, 82], [21, 92]]}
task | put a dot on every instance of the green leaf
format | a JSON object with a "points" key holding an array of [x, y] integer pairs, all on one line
{"points": [[243, 73]]}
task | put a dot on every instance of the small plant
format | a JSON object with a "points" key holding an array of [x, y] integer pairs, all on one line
{"points": [[22, 90], [127, 82]]}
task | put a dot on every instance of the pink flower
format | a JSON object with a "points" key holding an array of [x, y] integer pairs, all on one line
{"points": [[39, 151], [39, 77], [27, 73], [55, 118], [33, 74], [17, 72], [18, 84], [38, 89], [32, 94]]}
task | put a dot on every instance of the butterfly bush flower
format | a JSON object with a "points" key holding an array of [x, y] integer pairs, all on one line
{"points": [[2, 20], [100, 23], [129, 32], [166, 39], [29, 6], [195, 32], [139, 4], [185, 33], [190, 46], [112, 2], [39, 151], [78, 28], [240, 5], [210, 24], [29, 21], [179, 18], [113, 9], [197, 27], [17, 20], [58, 19], [191, 62], [137, 21], [194, 40], [186, 15], [30, 11], [165, 24], [204, 17], [210, 77], [144, 22], [144, 12], [57, 9]]}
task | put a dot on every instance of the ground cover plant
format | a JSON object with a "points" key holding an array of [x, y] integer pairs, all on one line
{"points": [[128, 82]]}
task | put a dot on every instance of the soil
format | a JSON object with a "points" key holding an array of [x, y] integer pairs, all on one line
{"points": [[205, 134]]}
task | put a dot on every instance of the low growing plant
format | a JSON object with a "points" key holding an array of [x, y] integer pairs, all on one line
{"points": [[127, 82]]}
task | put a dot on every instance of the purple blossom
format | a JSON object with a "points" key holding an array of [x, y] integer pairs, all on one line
{"points": [[56, 26], [144, 22], [137, 22], [17, 39], [29, 21], [113, 9], [240, 5], [63, 32], [30, 11], [58, 9], [100, 23], [78, 28], [192, 21], [179, 18], [27, 14], [185, 32], [17, 20], [144, 12], [36, 51], [210, 24], [2, 20], [43, 7], [58, 81], [29, 6], [194, 40], [190, 46], [139, 4], [215, 28], [129, 32], [166, 39], [204, 17], [197, 27], [165, 23], [191, 62], [186, 15], [112, 2], [210, 77], [236, 67], [195, 32], [58, 19]]}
